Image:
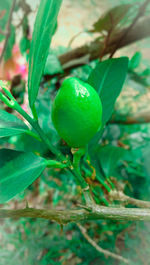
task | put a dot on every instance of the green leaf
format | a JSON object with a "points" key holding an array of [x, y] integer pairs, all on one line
{"points": [[112, 18], [44, 28], [17, 171], [24, 45], [108, 78], [10, 125], [43, 107], [105, 160], [10, 44], [53, 65], [109, 157], [26, 143], [135, 60]]}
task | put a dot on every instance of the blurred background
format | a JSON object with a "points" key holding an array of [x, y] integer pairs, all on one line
{"points": [[42, 242]]}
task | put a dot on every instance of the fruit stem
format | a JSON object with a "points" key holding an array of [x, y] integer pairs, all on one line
{"points": [[77, 155]]}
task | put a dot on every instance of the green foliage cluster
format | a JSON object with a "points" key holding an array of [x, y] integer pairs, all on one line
{"points": [[118, 153]]}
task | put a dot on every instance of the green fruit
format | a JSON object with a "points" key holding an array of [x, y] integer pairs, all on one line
{"points": [[76, 112]]}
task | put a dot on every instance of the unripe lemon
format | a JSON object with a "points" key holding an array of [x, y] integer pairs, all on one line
{"points": [[76, 112]]}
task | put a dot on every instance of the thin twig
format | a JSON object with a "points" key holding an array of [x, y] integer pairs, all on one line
{"points": [[8, 29], [107, 253], [74, 37], [107, 39], [120, 196], [76, 57], [140, 14]]}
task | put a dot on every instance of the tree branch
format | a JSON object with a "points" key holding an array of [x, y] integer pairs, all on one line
{"points": [[95, 212], [8, 29], [120, 196], [140, 13], [77, 56], [143, 117], [98, 248]]}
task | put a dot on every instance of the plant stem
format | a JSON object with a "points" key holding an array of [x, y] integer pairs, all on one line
{"points": [[31, 133], [120, 196], [34, 123], [95, 212], [55, 164], [110, 182], [77, 154], [103, 183], [10, 101], [99, 199], [34, 113], [96, 175]]}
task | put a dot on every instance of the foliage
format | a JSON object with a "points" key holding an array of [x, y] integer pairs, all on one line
{"points": [[18, 170], [43, 30], [104, 78], [112, 18], [117, 158], [10, 125]]}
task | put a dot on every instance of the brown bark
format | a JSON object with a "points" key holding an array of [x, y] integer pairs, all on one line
{"points": [[91, 51], [94, 212]]}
